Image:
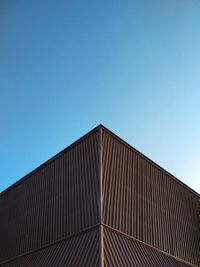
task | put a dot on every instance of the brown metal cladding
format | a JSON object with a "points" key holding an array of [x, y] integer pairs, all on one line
{"points": [[82, 250], [142, 200], [99, 179], [59, 199], [120, 251]]}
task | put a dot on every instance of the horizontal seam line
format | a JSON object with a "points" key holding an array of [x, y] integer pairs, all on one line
{"points": [[53, 243], [145, 244], [90, 229]]}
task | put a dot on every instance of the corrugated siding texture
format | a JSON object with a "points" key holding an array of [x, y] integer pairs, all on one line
{"points": [[120, 251], [141, 200], [80, 251], [60, 199]]}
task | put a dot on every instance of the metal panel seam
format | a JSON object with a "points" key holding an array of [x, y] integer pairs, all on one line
{"points": [[145, 244], [101, 196], [53, 243]]}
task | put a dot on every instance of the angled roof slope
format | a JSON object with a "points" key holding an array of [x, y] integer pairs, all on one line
{"points": [[100, 126]]}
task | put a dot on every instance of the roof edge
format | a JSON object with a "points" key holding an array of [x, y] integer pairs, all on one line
{"points": [[50, 160], [150, 161], [59, 154]]}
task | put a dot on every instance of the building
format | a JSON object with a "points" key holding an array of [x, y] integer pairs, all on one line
{"points": [[99, 202]]}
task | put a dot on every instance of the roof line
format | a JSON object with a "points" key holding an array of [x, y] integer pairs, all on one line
{"points": [[59, 154], [46, 163], [150, 161]]}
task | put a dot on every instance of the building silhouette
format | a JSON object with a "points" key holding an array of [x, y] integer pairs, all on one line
{"points": [[99, 202]]}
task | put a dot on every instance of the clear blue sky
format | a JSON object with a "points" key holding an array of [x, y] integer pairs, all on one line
{"points": [[66, 66]]}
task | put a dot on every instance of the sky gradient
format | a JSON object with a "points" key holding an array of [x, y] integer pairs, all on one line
{"points": [[67, 66]]}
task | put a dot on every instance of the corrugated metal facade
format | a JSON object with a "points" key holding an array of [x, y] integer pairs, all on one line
{"points": [[120, 251], [99, 182], [142, 201], [81, 251], [58, 200]]}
